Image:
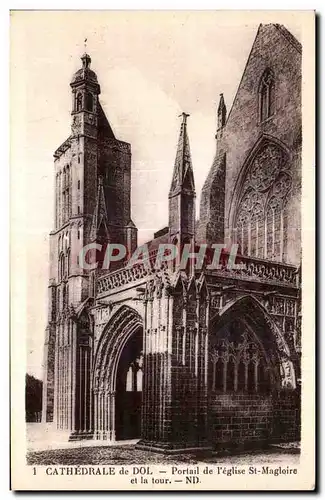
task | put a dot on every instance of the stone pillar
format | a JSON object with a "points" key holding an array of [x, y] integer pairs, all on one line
{"points": [[49, 375], [96, 413], [56, 379], [112, 413], [175, 368], [80, 388], [156, 396]]}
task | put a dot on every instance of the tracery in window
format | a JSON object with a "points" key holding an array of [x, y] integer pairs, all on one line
{"points": [[261, 217], [266, 95], [257, 230], [238, 363]]}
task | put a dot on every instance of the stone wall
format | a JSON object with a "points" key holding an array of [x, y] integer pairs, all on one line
{"points": [[253, 420], [275, 49]]}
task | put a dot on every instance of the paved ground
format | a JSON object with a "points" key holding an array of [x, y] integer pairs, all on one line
{"points": [[47, 447], [118, 455]]}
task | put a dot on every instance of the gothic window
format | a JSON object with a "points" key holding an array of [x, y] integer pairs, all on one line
{"points": [[78, 102], [62, 267], [237, 363], [243, 233], [89, 101], [68, 191], [266, 95], [263, 378], [69, 201], [257, 231], [241, 376], [69, 261], [219, 375], [59, 200], [58, 307], [230, 374], [261, 218], [251, 378], [65, 296]]}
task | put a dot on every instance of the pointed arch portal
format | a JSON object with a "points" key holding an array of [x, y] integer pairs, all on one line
{"points": [[251, 377], [253, 321], [117, 383]]}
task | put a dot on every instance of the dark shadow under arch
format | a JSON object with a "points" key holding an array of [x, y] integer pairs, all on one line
{"points": [[261, 325]]}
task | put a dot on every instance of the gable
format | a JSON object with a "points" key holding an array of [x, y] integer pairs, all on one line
{"points": [[273, 49]]}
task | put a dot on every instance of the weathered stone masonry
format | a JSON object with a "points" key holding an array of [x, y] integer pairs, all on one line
{"points": [[183, 359]]}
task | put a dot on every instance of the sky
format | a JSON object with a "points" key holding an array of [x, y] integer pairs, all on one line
{"points": [[151, 66]]}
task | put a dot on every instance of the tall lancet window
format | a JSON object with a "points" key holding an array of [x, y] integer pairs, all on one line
{"points": [[61, 267], [266, 95], [257, 230]]}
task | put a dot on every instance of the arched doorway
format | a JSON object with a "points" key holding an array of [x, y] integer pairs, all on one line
{"points": [[117, 382], [129, 380], [251, 379]]}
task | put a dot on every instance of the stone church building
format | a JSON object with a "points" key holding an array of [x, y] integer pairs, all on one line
{"points": [[194, 358]]}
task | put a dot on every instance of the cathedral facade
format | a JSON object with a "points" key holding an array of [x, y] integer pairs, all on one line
{"points": [[193, 358]]}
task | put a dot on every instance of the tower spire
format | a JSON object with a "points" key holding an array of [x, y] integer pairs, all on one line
{"points": [[183, 172], [182, 193]]}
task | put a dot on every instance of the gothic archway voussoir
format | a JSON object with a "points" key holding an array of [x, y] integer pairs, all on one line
{"points": [[115, 334]]}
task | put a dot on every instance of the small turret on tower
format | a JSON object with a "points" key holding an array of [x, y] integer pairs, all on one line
{"points": [[85, 104]]}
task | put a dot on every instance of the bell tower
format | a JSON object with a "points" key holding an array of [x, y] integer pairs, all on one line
{"points": [[92, 204]]}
